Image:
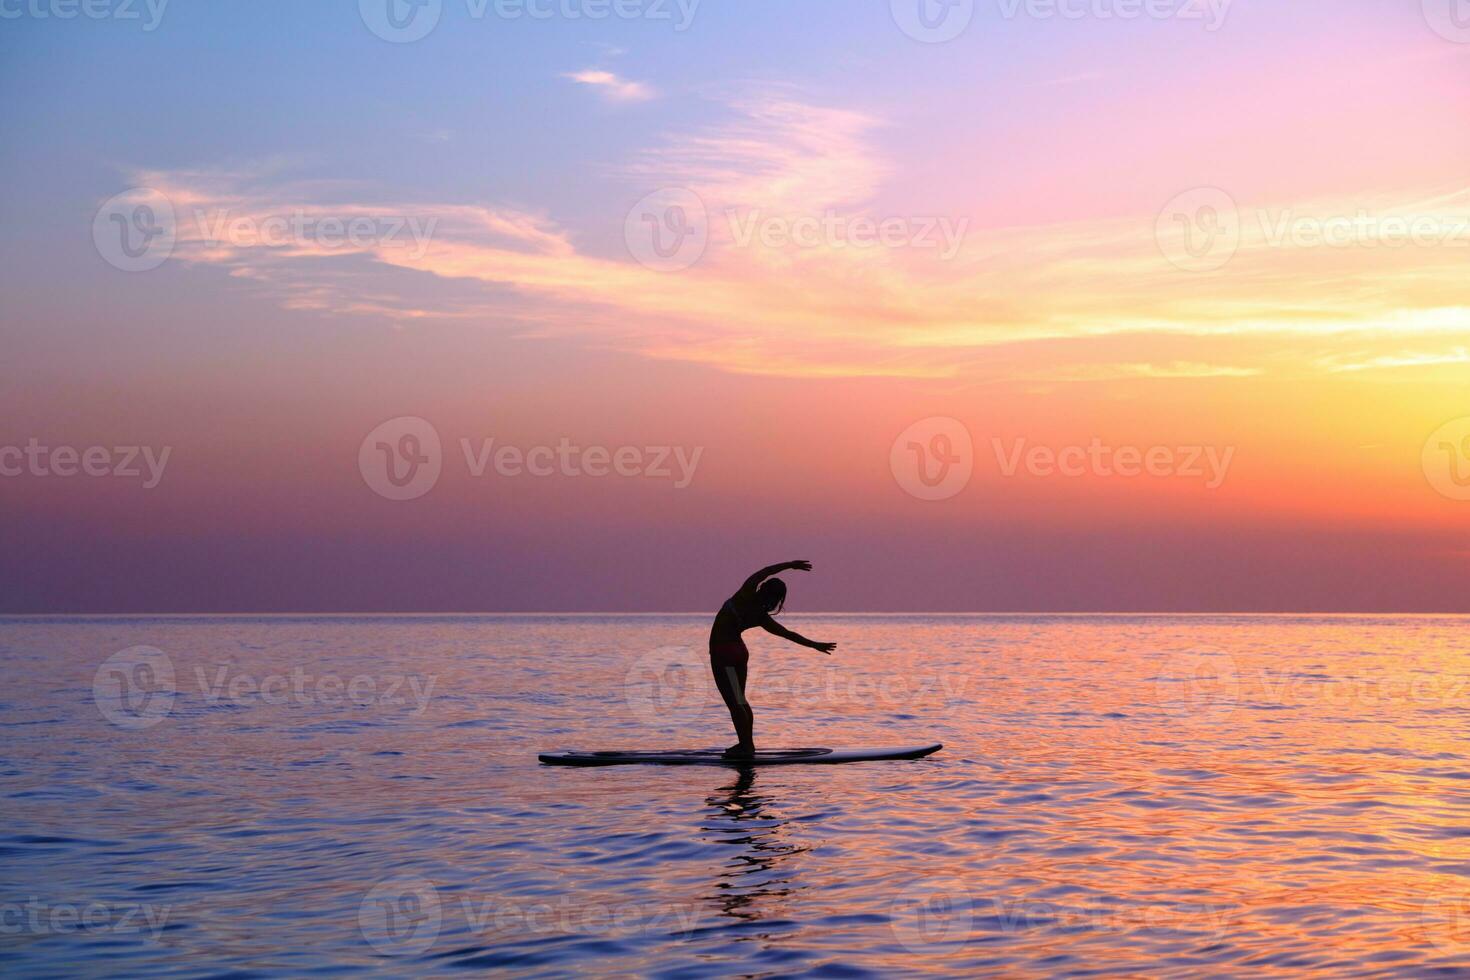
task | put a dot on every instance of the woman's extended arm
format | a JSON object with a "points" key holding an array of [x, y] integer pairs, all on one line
{"points": [[755, 580], [776, 629]]}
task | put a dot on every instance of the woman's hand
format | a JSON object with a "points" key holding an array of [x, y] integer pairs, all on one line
{"points": [[800, 566], [826, 648]]}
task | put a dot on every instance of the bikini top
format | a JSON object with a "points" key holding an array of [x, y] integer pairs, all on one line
{"points": [[734, 612]]}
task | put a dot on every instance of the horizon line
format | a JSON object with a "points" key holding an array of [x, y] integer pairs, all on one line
{"points": [[702, 613]]}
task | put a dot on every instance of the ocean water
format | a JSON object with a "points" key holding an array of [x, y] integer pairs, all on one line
{"points": [[1137, 795]]}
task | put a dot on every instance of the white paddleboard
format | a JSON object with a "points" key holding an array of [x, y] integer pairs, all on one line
{"points": [[762, 757]]}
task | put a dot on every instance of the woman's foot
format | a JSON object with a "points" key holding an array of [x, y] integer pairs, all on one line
{"points": [[739, 751]]}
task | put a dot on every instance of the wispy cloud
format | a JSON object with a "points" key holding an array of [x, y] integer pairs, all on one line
{"points": [[774, 153], [611, 86], [832, 307], [1404, 359], [1173, 370]]}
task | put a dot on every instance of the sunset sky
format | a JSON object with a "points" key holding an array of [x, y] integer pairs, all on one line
{"points": [[1239, 233]]}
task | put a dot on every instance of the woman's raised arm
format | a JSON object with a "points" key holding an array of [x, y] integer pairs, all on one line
{"points": [[752, 583]]}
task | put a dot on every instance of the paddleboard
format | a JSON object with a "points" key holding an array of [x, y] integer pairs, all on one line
{"points": [[762, 757]]}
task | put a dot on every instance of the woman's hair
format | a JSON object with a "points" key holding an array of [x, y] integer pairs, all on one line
{"points": [[772, 594]]}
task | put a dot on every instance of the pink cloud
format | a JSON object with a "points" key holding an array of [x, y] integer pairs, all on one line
{"points": [[611, 86]]}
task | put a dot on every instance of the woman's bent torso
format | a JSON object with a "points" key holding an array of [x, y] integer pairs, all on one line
{"points": [[725, 643]]}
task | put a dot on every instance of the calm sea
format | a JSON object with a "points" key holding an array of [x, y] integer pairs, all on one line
{"points": [[1141, 795]]}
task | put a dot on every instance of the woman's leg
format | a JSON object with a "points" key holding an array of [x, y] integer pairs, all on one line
{"points": [[730, 680]]}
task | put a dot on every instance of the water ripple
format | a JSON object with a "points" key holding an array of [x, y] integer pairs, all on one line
{"points": [[1170, 796]]}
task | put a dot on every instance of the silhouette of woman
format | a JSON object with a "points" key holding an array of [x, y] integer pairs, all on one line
{"points": [[752, 606]]}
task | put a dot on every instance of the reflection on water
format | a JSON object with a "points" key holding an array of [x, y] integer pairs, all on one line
{"points": [[1127, 795], [758, 873]]}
